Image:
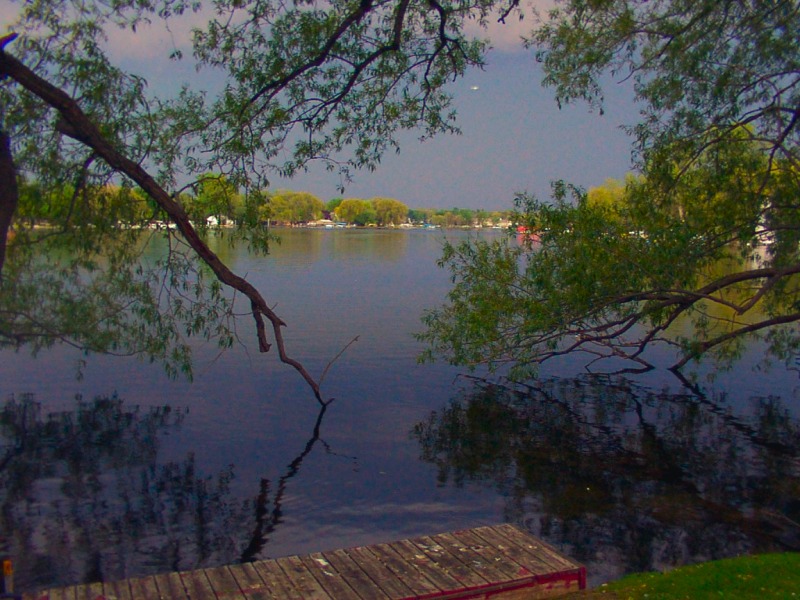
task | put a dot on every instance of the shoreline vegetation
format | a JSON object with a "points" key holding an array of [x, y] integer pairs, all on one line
{"points": [[759, 576], [214, 203]]}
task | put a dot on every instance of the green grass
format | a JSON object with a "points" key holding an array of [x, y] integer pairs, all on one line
{"points": [[763, 576]]}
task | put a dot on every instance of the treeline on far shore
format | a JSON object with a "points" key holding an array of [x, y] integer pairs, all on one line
{"points": [[213, 201]]}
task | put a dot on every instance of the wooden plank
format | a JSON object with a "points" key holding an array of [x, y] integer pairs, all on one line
{"points": [[497, 561], [67, 593], [483, 557], [330, 579], [144, 588], [223, 583], [409, 573], [413, 555], [170, 587], [392, 585], [88, 591], [537, 547], [277, 580], [466, 575], [521, 556], [563, 569], [197, 585], [355, 576], [301, 579], [119, 590], [250, 582]]}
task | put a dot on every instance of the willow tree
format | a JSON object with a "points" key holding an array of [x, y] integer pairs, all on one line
{"points": [[332, 82], [700, 253]]}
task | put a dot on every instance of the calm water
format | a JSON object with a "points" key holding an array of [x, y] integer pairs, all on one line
{"points": [[622, 474]]}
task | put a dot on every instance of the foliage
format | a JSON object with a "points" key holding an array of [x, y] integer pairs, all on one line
{"points": [[356, 210], [294, 207], [214, 197], [299, 82], [332, 204], [699, 253], [389, 211]]}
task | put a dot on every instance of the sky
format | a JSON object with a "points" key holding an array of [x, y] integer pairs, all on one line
{"points": [[514, 137]]}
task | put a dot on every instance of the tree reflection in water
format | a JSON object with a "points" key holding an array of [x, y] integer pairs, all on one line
{"points": [[84, 498], [622, 478]]}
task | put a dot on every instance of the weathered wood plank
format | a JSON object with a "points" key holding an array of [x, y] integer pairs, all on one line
{"points": [[536, 546], [277, 580], [58, 594], [170, 587], [329, 578], [409, 573], [501, 561], [527, 561], [89, 591], [197, 585], [480, 556], [118, 590], [223, 583], [355, 576], [144, 588], [392, 585], [414, 556], [301, 579], [250, 582], [564, 574], [466, 575]]}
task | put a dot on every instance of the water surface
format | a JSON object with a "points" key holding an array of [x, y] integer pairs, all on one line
{"points": [[620, 473]]}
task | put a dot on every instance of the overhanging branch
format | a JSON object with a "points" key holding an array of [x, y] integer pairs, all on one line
{"points": [[77, 125]]}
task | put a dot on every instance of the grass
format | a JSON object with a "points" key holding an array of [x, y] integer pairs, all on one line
{"points": [[763, 577]]}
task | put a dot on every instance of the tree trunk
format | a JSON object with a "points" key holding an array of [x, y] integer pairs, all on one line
{"points": [[9, 194]]}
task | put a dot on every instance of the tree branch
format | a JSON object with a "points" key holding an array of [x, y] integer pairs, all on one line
{"points": [[77, 125]]}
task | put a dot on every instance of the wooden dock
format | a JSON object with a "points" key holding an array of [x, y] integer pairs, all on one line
{"points": [[499, 562]]}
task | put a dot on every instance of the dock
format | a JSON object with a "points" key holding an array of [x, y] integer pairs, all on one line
{"points": [[500, 562]]}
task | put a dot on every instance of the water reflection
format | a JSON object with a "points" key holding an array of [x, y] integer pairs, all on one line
{"points": [[268, 512], [624, 478], [83, 496]]}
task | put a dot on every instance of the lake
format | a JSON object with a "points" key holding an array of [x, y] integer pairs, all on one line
{"points": [[123, 472]]}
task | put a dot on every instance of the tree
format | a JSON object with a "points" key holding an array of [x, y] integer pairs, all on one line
{"points": [[295, 207], [356, 211], [346, 76], [715, 261], [420, 215], [332, 204], [610, 196], [389, 211], [214, 197]]}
